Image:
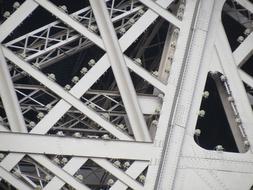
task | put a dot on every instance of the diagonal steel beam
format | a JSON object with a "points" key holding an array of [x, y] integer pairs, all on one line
{"points": [[98, 41], [120, 71], [127, 39], [71, 22], [59, 172], [119, 174], [71, 167], [162, 12], [9, 98], [17, 18], [68, 97], [244, 51], [246, 4], [14, 181]]}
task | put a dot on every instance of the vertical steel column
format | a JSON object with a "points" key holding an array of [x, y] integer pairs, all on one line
{"points": [[190, 71], [9, 98], [120, 71]]}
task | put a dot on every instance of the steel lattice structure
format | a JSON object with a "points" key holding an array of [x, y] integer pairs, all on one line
{"points": [[109, 96]]}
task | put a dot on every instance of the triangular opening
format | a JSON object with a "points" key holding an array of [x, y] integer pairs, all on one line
{"points": [[213, 130], [154, 49]]}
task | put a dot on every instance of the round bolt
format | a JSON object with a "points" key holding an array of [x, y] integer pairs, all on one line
{"points": [[197, 132], [92, 62], [64, 160], [155, 73], [223, 78], [131, 20], [142, 178], [117, 163], [206, 94], [141, 12], [1, 156], [64, 8], [122, 30], [60, 133], [246, 143], [219, 148], [40, 115], [110, 182], [6, 14], [240, 39], [154, 122], [202, 113], [48, 106], [57, 160], [231, 99], [48, 177], [238, 120], [51, 76], [247, 31], [77, 134], [106, 137], [80, 177], [84, 70], [67, 87], [138, 60], [121, 126], [75, 79], [126, 164], [32, 124], [16, 5]]}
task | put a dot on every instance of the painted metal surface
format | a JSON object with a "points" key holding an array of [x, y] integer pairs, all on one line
{"points": [[115, 135]]}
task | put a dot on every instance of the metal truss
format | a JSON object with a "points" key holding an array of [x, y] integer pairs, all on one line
{"points": [[127, 119]]}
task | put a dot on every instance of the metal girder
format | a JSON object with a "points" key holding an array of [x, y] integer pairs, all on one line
{"points": [[162, 12], [244, 51], [9, 98], [68, 97], [172, 149], [12, 159], [29, 143], [123, 41], [71, 167], [17, 18], [120, 71], [120, 175], [71, 22], [175, 118], [216, 164], [59, 172], [236, 15], [14, 181], [239, 140], [246, 4], [231, 71], [246, 77]]}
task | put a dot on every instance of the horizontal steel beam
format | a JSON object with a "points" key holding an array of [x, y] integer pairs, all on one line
{"points": [[41, 144]]}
